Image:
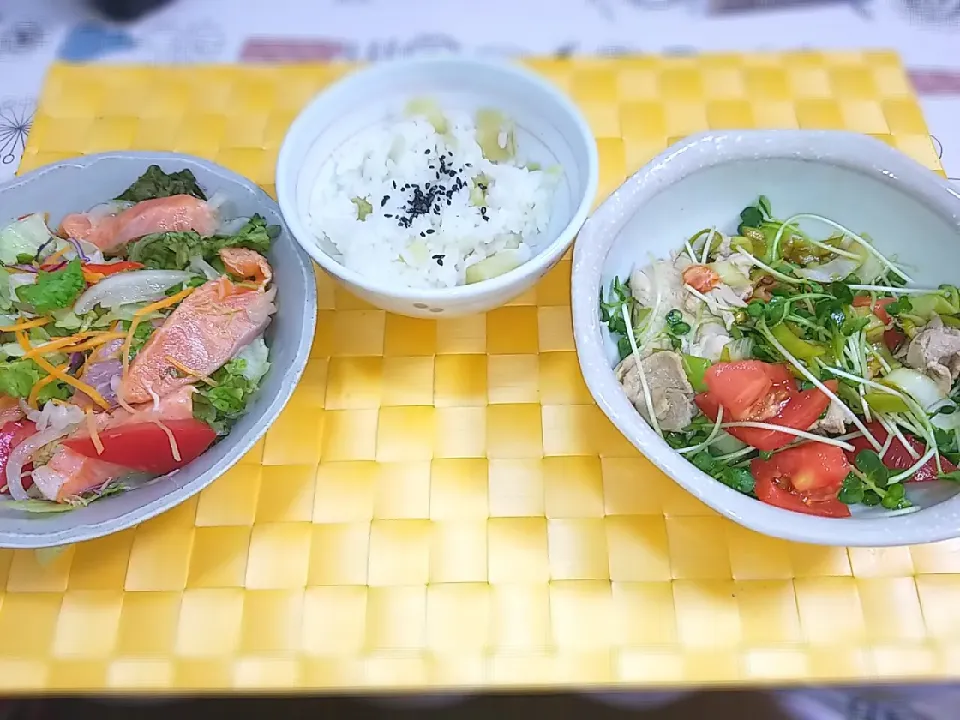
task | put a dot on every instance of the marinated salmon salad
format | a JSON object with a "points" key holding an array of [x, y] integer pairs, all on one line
{"points": [[131, 339], [433, 198], [794, 362]]}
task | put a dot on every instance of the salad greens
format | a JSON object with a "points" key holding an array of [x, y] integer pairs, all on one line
{"points": [[175, 250], [806, 370], [54, 290], [155, 183], [93, 359]]}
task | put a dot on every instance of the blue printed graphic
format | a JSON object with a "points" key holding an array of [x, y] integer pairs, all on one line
{"points": [[93, 41]]}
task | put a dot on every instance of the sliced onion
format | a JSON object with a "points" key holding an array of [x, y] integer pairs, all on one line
{"points": [[201, 266], [79, 250], [920, 387], [232, 227], [836, 269], [56, 416], [21, 455], [129, 287]]}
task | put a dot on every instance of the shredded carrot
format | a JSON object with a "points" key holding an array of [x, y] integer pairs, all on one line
{"points": [[32, 400], [94, 342], [94, 435], [78, 384], [173, 441], [60, 344], [138, 315], [16, 327], [193, 373]]}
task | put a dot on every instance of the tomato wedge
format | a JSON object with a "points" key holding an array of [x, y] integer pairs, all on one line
{"points": [[800, 411], [146, 447], [898, 457], [12, 434], [804, 479], [893, 339], [95, 272], [738, 385], [879, 306]]}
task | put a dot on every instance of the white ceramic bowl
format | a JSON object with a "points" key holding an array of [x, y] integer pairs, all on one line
{"points": [[705, 181], [549, 128]]}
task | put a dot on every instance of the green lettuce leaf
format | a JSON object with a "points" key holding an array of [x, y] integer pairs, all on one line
{"points": [[54, 290], [18, 377], [220, 406], [155, 183], [22, 240], [174, 250]]}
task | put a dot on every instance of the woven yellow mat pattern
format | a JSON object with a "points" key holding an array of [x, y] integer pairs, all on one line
{"points": [[442, 505]]}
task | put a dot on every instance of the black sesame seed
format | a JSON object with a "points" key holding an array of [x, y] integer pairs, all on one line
{"points": [[422, 234], [486, 219], [483, 210], [429, 231], [427, 151], [384, 200], [394, 184], [439, 259], [468, 164], [387, 215]]}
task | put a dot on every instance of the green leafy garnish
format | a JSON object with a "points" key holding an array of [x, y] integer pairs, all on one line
{"points": [[54, 290], [870, 484], [174, 250], [18, 377], [739, 478], [872, 467], [155, 183], [852, 491], [220, 406]]}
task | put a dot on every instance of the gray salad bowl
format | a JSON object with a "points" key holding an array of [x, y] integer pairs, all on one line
{"points": [[78, 184]]}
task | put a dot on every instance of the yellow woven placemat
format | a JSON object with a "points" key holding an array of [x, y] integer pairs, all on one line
{"points": [[442, 505]]}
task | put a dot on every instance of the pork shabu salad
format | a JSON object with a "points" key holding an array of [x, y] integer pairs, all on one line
{"points": [[794, 362], [131, 339]]}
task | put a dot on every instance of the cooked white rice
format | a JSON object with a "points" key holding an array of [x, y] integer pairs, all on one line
{"points": [[421, 229]]}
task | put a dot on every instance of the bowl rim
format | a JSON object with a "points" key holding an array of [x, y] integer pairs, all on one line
{"points": [[180, 492], [300, 127], [853, 151]]}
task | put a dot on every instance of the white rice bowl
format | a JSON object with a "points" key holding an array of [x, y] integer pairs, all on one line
{"points": [[430, 239]]}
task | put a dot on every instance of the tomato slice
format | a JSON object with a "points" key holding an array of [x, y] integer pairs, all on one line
{"points": [[146, 447], [738, 385], [799, 412], [95, 272], [805, 479], [897, 457], [12, 434], [879, 306], [893, 339]]}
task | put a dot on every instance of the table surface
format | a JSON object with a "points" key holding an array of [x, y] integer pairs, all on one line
{"points": [[34, 34], [442, 505]]}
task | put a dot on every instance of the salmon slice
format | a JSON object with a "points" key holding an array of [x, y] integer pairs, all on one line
{"points": [[68, 474], [247, 264], [178, 405], [206, 330], [176, 213]]}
